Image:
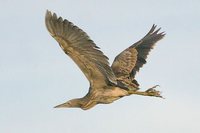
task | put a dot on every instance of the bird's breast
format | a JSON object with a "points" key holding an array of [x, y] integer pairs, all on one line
{"points": [[115, 92], [109, 95]]}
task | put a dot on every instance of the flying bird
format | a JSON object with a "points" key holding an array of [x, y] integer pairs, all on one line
{"points": [[107, 83]]}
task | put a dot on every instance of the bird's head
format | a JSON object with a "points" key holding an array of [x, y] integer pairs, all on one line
{"points": [[74, 103]]}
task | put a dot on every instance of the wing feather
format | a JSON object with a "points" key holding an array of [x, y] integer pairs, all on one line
{"points": [[83, 51], [129, 61]]}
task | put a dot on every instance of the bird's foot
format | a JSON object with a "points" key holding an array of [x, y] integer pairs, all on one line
{"points": [[152, 92]]}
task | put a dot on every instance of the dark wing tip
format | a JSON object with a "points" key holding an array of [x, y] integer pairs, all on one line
{"points": [[162, 33], [145, 45], [154, 33], [152, 29]]}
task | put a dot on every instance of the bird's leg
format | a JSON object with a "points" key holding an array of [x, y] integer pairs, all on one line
{"points": [[150, 92]]}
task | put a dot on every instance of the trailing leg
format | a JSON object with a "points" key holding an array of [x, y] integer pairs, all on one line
{"points": [[150, 92]]}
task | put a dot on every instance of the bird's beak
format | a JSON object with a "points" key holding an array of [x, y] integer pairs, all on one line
{"points": [[64, 105]]}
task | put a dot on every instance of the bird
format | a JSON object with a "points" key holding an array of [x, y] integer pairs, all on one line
{"points": [[107, 83]]}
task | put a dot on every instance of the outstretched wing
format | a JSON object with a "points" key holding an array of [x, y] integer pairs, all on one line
{"points": [[129, 61], [83, 51]]}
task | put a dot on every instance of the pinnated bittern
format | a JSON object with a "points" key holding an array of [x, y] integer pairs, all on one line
{"points": [[107, 84]]}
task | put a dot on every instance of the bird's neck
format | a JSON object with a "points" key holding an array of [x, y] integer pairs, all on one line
{"points": [[78, 102], [85, 102]]}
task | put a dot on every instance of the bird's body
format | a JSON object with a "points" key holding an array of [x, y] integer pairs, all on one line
{"points": [[107, 84], [101, 96]]}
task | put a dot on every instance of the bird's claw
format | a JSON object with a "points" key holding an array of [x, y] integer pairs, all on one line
{"points": [[152, 92], [154, 86]]}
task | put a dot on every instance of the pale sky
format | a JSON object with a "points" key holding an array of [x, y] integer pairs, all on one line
{"points": [[36, 75]]}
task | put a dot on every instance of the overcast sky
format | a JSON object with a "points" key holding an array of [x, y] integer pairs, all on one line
{"points": [[36, 75]]}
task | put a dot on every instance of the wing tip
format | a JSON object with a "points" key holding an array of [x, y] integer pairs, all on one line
{"points": [[155, 32], [50, 20], [48, 17], [48, 14]]}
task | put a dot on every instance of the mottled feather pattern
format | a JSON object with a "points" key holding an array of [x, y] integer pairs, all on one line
{"points": [[123, 64], [128, 62]]}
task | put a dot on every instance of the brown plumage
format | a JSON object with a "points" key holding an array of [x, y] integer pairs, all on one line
{"points": [[107, 84]]}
